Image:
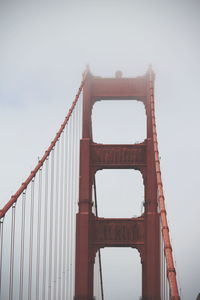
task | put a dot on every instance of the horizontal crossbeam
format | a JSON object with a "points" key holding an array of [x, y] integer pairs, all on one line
{"points": [[119, 88], [118, 156], [110, 232]]}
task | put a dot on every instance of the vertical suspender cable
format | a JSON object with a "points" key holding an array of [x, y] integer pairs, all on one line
{"points": [[73, 202], [31, 240], [72, 206], [51, 226], [76, 176], [167, 290], [69, 212], [56, 219], [61, 215], [12, 253], [161, 263], [165, 280], [68, 209], [99, 252], [1, 251], [38, 235], [164, 274], [65, 219], [75, 190], [163, 270], [45, 230], [21, 280]]}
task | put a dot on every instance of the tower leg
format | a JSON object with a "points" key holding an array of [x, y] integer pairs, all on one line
{"points": [[151, 265], [84, 251], [84, 260], [151, 269]]}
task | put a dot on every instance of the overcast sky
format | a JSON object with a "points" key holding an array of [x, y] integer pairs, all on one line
{"points": [[45, 46]]}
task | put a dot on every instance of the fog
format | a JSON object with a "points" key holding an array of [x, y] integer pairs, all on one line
{"points": [[45, 46]]}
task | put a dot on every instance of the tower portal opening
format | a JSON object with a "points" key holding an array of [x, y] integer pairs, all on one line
{"points": [[118, 122], [121, 269], [120, 193]]}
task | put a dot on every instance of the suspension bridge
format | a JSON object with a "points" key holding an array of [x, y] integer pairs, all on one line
{"points": [[50, 233]]}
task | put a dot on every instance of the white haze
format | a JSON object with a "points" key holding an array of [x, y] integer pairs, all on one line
{"points": [[45, 46]]}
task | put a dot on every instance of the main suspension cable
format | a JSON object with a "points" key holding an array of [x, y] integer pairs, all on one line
{"points": [[171, 274], [33, 173]]}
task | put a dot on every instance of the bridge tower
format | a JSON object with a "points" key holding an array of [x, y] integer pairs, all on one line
{"points": [[93, 233]]}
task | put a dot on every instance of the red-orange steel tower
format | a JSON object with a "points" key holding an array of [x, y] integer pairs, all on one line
{"points": [[92, 233]]}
